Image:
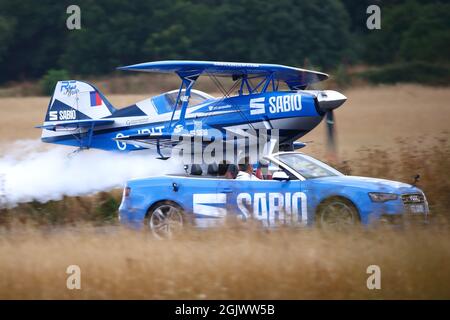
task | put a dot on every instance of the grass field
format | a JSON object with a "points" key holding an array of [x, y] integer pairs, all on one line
{"points": [[390, 132], [225, 264]]}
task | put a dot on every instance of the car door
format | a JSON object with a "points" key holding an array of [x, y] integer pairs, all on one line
{"points": [[270, 201], [208, 207]]}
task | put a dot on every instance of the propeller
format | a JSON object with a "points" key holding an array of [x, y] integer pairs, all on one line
{"points": [[329, 100], [331, 141]]}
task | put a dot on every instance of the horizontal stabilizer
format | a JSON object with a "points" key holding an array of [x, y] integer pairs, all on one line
{"points": [[67, 125]]}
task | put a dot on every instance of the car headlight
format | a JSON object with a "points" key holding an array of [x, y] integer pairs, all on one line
{"points": [[382, 197]]}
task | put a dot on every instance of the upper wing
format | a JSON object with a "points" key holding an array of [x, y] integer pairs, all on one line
{"points": [[294, 77]]}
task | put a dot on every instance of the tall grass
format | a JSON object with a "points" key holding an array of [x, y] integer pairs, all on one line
{"points": [[39, 241], [402, 163], [225, 264]]}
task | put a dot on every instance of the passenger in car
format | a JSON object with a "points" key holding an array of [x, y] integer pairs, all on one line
{"points": [[222, 168], [231, 172], [246, 171]]}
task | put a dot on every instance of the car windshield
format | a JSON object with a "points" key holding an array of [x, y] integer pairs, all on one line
{"points": [[307, 166]]}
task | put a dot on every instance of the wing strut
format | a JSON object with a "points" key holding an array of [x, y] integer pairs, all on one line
{"points": [[188, 80]]}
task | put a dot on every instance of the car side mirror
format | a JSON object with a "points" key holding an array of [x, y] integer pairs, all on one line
{"points": [[280, 176]]}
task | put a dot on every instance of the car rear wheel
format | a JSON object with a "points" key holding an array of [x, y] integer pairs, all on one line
{"points": [[165, 219], [337, 214]]}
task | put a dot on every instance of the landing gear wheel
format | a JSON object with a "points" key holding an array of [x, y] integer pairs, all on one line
{"points": [[165, 220]]}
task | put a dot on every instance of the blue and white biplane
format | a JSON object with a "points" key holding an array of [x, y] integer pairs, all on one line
{"points": [[267, 96]]}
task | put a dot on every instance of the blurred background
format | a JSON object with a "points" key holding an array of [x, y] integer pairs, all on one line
{"points": [[413, 44]]}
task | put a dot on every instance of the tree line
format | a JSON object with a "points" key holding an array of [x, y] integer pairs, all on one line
{"points": [[323, 34]]}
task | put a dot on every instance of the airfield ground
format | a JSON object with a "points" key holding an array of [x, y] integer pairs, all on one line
{"points": [[247, 263]]}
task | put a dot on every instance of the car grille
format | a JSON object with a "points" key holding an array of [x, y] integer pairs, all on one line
{"points": [[413, 198], [415, 204]]}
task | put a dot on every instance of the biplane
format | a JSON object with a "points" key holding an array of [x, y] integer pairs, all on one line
{"points": [[265, 97]]}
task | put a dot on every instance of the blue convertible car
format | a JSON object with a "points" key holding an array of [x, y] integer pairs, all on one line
{"points": [[294, 189]]}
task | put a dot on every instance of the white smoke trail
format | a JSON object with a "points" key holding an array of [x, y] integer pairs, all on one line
{"points": [[29, 171]]}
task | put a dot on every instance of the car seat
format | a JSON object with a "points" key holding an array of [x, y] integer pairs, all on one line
{"points": [[213, 169], [196, 170]]}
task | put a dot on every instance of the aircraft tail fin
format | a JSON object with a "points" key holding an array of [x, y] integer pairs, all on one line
{"points": [[74, 107], [77, 100]]}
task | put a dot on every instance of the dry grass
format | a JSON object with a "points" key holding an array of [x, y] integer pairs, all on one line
{"points": [[226, 264], [406, 159], [373, 117]]}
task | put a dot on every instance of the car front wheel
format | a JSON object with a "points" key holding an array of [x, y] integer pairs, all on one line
{"points": [[165, 219], [337, 214]]}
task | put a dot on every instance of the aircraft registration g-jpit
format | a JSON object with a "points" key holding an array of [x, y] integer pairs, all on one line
{"points": [[267, 96]]}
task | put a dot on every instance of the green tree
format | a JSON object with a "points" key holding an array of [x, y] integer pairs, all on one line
{"points": [[7, 29], [112, 33], [49, 80], [38, 37], [428, 37], [411, 31]]}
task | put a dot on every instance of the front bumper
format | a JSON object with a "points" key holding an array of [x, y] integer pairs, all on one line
{"points": [[407, 209]]}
